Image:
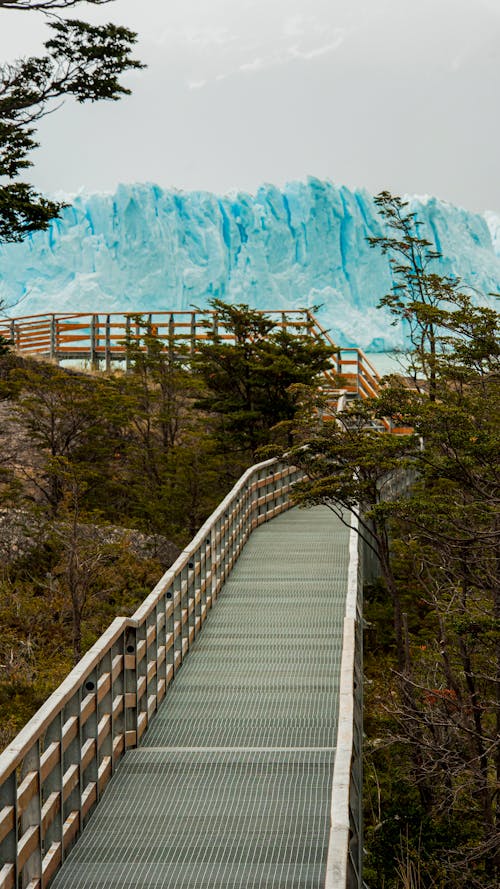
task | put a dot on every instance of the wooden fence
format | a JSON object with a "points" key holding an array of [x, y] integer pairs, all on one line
{"points": [[100, 339]]}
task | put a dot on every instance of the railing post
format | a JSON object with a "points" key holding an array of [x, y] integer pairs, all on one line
{"points": [[171, 336], [131, 702], [72, 771], [31, 816], [8, 846], [54, 785], [94, 342], [53, 338], [192, 334], [108, 344], [90, 735], [127, 344]]}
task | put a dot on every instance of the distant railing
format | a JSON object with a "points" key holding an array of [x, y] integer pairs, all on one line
{"points": [[53, 773], [100, 338]]}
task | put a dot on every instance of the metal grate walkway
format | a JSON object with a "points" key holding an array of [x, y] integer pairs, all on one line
{"points": [[231, 787]]}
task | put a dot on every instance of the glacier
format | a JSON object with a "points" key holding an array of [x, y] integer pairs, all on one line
{"points": [[146, 248]]}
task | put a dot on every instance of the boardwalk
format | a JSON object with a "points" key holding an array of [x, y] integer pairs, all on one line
{"points": [[231, 786]]}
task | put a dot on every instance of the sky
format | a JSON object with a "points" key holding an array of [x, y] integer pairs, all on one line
{"points": [[378, 94]]}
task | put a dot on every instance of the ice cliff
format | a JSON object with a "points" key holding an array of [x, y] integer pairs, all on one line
{"points": [[146, 248]]}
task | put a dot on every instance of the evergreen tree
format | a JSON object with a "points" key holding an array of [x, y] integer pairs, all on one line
{"points": [[81, 60], [437, 540], [249, 375]]}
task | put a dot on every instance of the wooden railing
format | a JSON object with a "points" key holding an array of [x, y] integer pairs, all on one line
{"points": [[53, 773], [100, 340], [101, 337]]}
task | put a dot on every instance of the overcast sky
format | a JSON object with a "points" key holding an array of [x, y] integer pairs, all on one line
{"points": [[397, 94]]}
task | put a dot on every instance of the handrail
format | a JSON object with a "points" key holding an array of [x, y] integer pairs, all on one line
{"points": [[53, 773], [345, 847], [100, 336]]}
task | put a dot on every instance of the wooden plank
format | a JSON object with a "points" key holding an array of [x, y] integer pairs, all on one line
{"points": [[70, 780], [70, 827], [142, 724], [50, 809], [89, 797], [152, 705], [88, 753], [104, 772], [118, 746], [27, 790], [51, 861], [69, 732], [27, 845], [103, 686], [118, 705], [103, 729], [7, 876], [116, 667], [7, 821], [141, 651], [49, 758]]}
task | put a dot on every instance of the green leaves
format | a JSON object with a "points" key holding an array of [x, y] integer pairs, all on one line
{"points": [[82, 61], [250, 382]]}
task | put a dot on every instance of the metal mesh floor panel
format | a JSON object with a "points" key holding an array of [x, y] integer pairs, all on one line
{"points": [[231, 786]]}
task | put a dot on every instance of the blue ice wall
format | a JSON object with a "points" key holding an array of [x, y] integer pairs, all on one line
{"points": [[145, 247]]}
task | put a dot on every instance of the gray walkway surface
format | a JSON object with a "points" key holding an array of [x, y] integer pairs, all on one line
{"points": [[231, 786]]}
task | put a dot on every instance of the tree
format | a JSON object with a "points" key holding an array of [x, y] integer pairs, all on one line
{"points": [[81, 60], [438, 545], [249, 381], [66, 415]]}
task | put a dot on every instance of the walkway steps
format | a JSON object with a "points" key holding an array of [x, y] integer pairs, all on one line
{"points": [[231, 787]]}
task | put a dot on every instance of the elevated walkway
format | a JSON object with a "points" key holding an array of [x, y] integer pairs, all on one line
{"points": [[232, 784], [213, 739]]}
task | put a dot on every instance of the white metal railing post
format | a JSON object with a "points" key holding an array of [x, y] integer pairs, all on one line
{"points": [[344, 859]]}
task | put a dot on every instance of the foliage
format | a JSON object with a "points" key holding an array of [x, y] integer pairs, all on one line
{"points": [[82, 61], [428, 503], [249, 379], [81, 451]]}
